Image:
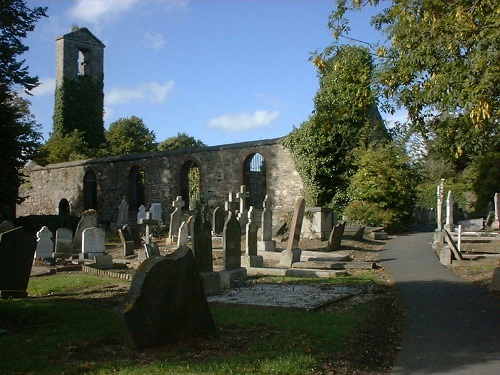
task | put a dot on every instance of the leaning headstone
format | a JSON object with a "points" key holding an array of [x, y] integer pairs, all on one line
{"points": [[64, 241], [243, 213], [17, 248], [156, 212], [335, 238], [44, 244], [122, 213], [251, 259], [267, 243], [176, 217], [292, 252], [218, 221], [88, 220], [201, 239], [166, 302], [141, 215], [93, 242], [496, 222], [127, 242]]}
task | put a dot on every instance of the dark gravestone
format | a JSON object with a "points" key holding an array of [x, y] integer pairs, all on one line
{"points": [[17, 248], [201, 240], [218, 220], [335, 237], [231, 246], [166, 302], [128, 244]]}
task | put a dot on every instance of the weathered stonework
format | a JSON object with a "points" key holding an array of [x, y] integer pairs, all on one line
{"points": [[221, 171]]}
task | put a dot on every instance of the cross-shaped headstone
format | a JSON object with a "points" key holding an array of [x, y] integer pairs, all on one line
{"points": [[231, 204], [178, 203], [242, 196], [149, 222]]}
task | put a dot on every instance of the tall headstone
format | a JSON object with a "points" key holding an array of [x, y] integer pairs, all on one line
{"points": [[141, 215], [201, 239], [182, 238], [292, 252], [251, 259], [17, 248], [243, 213], [44, 244], [496, 222], [156, 212], [93, 242], [449, 213], [231, 243], [88, 220], [218, 221], [64, 241], [231, 204], [122, 213], [267, 243], [166, 302], [176, 217]]}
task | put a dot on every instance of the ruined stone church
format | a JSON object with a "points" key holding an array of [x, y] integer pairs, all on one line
{"points": [[264, 166]]}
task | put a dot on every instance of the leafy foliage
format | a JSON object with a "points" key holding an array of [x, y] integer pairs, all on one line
{"points": [[181, 140], [19, 135], [382, 190], [61, 148], [344, 106], [129, 136]]}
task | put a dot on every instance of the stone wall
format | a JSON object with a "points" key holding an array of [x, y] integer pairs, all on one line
{"points": [[221, 171]]}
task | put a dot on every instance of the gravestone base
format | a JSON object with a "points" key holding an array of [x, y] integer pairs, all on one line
{"points": [[379, 235], [445, 256], [252, 261], [495, 280], [232, 278], [266, 245], [288, 257], [90, 255], [211, 282]]}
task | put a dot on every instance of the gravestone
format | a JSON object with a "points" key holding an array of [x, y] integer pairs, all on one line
{"points": [[156, 212], [449, 225], [149, 222], [182, 238], [176, 217], [292, 252], [134, 234], [88, 220], [267, 243], [93, 242], [335, 239], [127, 242], [17, 249], [166, 302], [496, 222], [64, 241], [141, 215], [6, 226], [243, 213], [122, 213], [103, 262], [251, 259], [231, 205], [152, 250], [231, 243], [201, 240], [44, 244], [218, 221]]}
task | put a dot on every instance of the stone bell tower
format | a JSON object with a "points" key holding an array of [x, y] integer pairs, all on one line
{"points": [[79, 101]]}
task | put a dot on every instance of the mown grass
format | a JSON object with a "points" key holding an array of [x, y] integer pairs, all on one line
{"points": [[63, 336]]}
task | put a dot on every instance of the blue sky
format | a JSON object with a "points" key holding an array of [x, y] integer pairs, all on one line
{"points": [[222, 71]]}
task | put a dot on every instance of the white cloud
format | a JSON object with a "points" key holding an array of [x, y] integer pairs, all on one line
{"points": [[47, 87], [151, 92], [238, 122], [94, 10], [154, 40]]}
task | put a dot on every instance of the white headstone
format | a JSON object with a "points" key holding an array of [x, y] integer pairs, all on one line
{"points": [[122, 213], [93, 241], [176, 217], [141, 215], [183, 234], [243, 213], [156, 212], [44, 244], [496, 222], [64, 240], [449, 212], [88, 220]]}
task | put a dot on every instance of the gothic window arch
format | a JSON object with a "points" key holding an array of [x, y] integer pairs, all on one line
{"points": [[254, 177], [90, 191], [136, 188], [64, 208], [190, 183]]}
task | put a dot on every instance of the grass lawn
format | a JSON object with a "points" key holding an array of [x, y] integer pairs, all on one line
{"points": [[71, 336]]}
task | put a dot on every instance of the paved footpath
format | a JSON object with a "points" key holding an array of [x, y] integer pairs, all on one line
{"points": [[452, 326]]}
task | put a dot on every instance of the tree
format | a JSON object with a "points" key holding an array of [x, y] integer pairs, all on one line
{"points": [[129, 136], [60, 149], [182, 140], [442, 57], [19, 136], [344, 115]]}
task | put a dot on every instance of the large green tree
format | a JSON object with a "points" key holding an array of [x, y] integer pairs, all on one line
{"points": [[181, 140], [344, 115], [18, 131], [129, 136]]}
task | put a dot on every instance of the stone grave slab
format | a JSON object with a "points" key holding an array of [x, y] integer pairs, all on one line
{"points": [[166, 302], [93, 242], [64, 241]]}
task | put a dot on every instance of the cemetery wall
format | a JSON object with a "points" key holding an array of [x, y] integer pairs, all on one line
{"points": [[221, 171]]}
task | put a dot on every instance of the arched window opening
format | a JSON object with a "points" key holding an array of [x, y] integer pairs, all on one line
{"points": [[254, 177], [136, 191], [90, 191], [190, 184], [64, 207]]}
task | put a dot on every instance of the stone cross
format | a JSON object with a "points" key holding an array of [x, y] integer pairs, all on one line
{"points": [[267, 243], [122, 213], [243, 213], [231, 205], [149, 222], [44, 246], [176, 217]]}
